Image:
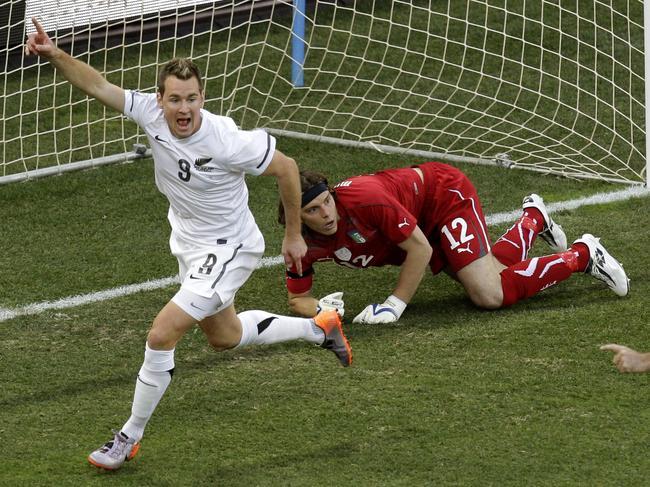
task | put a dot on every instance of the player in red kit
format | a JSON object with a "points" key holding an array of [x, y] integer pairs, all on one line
{"points": [[430, 216]]}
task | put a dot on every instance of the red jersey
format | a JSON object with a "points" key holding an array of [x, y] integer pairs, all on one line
{"points": [[379, 211]]}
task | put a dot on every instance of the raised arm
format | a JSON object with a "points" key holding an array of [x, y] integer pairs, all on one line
{"points": [[79, 74]]}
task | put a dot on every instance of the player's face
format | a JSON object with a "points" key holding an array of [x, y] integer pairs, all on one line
{"points": [[181, 104], [320, 214]]}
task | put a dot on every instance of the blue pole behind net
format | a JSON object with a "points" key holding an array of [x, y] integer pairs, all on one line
{"points": [[298, 44]]}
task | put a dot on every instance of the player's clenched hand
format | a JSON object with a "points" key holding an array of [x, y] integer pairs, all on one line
{"points": [[332, 301], [627, 359], [39, 43], [293, 250]]}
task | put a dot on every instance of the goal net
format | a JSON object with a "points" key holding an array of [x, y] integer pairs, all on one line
{"points": [[553, 86]]}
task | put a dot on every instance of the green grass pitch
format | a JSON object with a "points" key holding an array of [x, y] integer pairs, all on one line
{"points": [[450, 395]]}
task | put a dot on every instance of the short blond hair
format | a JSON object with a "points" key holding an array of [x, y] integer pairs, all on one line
{"points": [[181, 68]]}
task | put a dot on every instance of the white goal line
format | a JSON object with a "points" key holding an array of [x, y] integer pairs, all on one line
{"points": [[494, 219]]}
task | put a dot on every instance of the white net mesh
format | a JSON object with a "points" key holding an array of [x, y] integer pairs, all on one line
{"points": [[557, 85]]}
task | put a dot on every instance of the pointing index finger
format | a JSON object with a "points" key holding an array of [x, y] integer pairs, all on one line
{"points": [[613, 347], [37, 24]]}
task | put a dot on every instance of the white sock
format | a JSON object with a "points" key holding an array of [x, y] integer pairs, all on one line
{"points": [[153, 378], [262, 328]]}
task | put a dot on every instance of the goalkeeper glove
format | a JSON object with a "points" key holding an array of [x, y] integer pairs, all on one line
{"points": [[387, 312], [332, 301]]}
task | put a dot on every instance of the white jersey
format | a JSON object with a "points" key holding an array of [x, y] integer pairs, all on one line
{"points": [[202, 176]]}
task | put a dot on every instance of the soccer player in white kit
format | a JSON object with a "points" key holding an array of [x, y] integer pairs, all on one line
{"points": [[200, 162]]}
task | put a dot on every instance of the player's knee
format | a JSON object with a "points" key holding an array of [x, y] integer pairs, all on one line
{"points": [[487, 298], [482, 281], [221, 343], [222, 334], [158, 339]]}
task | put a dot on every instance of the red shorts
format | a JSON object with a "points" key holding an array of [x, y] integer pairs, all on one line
{"points": [[453, 219]]}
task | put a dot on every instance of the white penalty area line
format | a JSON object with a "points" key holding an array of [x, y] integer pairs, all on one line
{"points": [[494, 219], [595, 199], [72, 301]]}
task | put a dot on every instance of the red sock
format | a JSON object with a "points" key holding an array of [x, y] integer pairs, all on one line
{"points": [[527, 278], [513, 246], [583, 255]]}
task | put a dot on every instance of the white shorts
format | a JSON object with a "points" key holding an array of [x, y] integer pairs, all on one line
{"points": [[211, 275]]}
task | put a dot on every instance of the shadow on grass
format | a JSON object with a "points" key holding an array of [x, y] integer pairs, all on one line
{"points": [[248, 470], [189, 367], [448, 313]]}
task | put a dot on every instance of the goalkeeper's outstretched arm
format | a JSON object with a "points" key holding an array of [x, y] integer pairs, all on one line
{"points": [[306, 305], [79, 74], [303, 304]]}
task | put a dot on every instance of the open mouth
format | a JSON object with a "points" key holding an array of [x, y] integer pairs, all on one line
{"points": [[183, 123]]}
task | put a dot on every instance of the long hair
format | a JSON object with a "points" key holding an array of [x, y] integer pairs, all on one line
{"points": [[308, 179]]}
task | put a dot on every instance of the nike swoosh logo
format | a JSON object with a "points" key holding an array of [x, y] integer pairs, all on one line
{"points": [[192, 276], [195, 306], [157, 137], [147, 383], [202, 161]]}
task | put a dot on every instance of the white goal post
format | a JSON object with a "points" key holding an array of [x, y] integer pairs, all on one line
{"points": [[554, 86]]}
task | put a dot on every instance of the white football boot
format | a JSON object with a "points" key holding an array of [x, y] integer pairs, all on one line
{"points": [[115, 452], [604, 267], [552, 234]]}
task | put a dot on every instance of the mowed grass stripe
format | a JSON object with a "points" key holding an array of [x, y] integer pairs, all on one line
{"points": [[494, 219]]}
